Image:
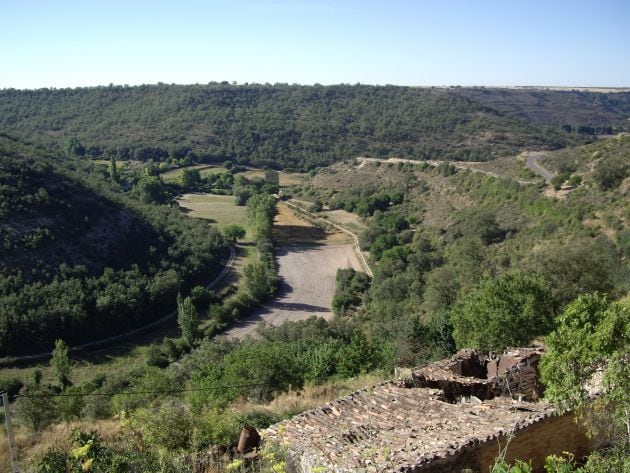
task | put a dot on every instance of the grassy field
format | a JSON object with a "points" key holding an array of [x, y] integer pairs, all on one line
{"points": [[218, 209], [286, 178], [292, 229], [204, 170]]}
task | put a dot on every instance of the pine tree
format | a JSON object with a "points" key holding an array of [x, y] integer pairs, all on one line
{"points": [[113, 169], [60, 363], [187, 319]]}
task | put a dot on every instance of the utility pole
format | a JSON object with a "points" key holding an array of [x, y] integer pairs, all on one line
{"points": [[11, 439]]}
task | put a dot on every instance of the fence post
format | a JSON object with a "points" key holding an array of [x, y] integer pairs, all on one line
{"points": [[10, 438]]}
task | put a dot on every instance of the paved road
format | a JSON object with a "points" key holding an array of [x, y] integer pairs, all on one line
{"points": [[531, 161]]}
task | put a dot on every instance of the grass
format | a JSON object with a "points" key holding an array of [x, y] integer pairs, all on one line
{"points": [[204, 170], [218, 209], [290, 229], [286, 178]]}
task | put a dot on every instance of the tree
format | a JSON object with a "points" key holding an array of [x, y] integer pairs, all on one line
{"points": [[233, 233], [60, 362], [74, 147], [272, 177], [361, 355], [510, 310], [113, 169], [190, 179], [35, 407], [592, 336], [317, 206], [441, 289], [610, 172], [187, 319], [579, 266], [151, 190], [260, 280]]}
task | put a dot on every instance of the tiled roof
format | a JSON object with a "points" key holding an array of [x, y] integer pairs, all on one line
{"points": [[403, 425]]}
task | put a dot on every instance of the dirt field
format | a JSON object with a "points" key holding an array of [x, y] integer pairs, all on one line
{"points": [[307, 287], [290, 229]]}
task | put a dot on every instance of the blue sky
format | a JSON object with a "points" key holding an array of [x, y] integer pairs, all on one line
{"points": [[423, 42]]}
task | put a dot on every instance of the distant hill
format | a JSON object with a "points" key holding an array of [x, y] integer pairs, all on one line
{"points": [[287, 126], [80, 260], [581, 111]]}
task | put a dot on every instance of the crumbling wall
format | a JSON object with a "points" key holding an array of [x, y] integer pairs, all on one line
{"points": [[551, 436], [465, 374]]}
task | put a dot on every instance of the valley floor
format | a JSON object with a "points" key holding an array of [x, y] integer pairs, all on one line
{"points": [[307, 285]]}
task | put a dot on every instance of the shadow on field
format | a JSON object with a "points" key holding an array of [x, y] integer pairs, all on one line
{"points": [[291, 234]]}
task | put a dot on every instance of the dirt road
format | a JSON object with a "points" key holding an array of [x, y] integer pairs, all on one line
{"points": [[307, 285], [531, 161]]}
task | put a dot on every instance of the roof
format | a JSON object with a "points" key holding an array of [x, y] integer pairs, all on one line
{"points": [[390, 425], [400, 425]]}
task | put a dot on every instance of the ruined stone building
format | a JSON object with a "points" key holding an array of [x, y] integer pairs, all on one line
{"points": [[449, 416]]}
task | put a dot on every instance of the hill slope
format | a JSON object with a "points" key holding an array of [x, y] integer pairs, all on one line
{"points": [[281, 126], [80, 260]]}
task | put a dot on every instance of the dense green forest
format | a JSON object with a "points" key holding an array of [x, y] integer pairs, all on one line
{"points": [[80, 259], [282, 126]]}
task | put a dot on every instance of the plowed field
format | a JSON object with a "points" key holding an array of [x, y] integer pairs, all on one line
{"points": [[307, 287]]}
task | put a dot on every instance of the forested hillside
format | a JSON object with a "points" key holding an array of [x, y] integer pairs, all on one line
{"points": [[281, 126], [450, 246], [80, 260], [578, 111]]}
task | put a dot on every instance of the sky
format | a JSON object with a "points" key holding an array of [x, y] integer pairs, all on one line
{"points": [[62, 43]]}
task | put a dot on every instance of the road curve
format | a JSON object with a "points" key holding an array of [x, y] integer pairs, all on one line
{"points": [[531, 161], [122, 336]]}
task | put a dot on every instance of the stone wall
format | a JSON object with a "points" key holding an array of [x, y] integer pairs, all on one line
{"points": [[551, 436]]}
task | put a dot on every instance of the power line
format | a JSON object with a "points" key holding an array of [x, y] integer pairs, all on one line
{"points": [[132, 393]]}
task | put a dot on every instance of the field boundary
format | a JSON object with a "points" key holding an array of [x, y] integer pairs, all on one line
{"points": [[355, 238]]}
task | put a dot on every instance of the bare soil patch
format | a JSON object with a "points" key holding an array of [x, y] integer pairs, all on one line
{"points": [[307, 285], [292, 229]]}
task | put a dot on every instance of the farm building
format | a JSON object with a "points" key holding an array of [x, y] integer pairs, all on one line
{"points": [[450, 416]]}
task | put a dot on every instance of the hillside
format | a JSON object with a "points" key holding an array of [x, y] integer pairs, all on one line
{"points": [[80, 259], [436, 233], [575, 110], [282, 126]]}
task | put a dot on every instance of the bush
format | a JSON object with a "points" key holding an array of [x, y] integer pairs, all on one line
{"points": [[510, 310]]}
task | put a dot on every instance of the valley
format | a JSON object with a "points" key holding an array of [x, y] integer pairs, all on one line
{"points": [[259, 270]]}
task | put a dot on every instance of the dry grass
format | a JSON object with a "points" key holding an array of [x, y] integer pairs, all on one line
{"points": [[286, 178], [32, 446], [345, 219], [295, 402]]}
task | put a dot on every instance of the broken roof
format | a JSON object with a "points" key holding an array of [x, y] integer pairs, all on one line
{"points": [[401, 426]]}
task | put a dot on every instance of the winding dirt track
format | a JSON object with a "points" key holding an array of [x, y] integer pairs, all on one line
{"points": [[531, 161], [307, 286]]}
